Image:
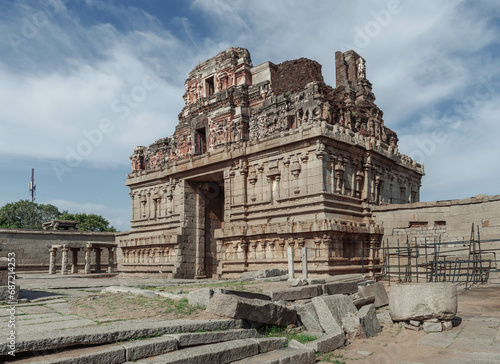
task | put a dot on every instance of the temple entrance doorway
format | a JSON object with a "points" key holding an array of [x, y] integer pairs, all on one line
{"points": [[209, 217]]}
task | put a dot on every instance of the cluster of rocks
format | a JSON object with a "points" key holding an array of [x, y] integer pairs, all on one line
{"points": [[334, 308], [427, 306]]}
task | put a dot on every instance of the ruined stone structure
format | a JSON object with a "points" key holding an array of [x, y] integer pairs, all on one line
{"points": [[265, 158]]}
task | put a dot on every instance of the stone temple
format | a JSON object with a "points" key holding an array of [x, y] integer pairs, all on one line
{"points": [[264, 158]]}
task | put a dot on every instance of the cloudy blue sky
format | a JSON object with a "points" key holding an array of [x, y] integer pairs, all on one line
{"points": [[83, 82]]}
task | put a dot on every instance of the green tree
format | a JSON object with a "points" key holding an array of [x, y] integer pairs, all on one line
{"points": [[89, 222], [25, 214]]}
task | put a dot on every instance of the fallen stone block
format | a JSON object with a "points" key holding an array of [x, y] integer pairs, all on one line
{"points": [[368, 319], [326, 318], [308, 317], [200, 297], [384, 317], [433, 327], [363, 301], [243, 294], [297, 282], [140, 349], [352, 327], [378, 291], [339, 305], [211, 337], [340, 288], [261, 311], [423, 301], [327, 343], [263, 273], [366, 283], [414, 323], [296, 293]]}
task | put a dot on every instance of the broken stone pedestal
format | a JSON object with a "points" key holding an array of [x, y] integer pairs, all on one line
{"points": [[422, 301]]}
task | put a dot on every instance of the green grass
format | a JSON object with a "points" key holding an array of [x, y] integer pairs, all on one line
{"points": [[280, 331], [332, 358]]}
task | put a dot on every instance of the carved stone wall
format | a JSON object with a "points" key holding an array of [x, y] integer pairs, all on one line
{"points": [[264, 158]]}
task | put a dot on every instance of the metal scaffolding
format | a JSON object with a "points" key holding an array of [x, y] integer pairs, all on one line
{"points": [[460, 262]]}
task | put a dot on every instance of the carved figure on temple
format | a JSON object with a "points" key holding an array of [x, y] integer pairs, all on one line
{"points": [[361, 69]]}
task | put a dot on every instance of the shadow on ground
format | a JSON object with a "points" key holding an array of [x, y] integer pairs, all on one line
{"points": [[33, 294]]}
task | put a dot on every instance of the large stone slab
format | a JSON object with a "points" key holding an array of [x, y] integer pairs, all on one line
{"points": [[327, 343], [200, 297], [283, 356], [368, 319], [296, 293], [422, 301], [222, 353], [265, 312], [363, 301], [339, 305], [308, 316], [340, 288], [267, 344], [378, 291], [326, 318], [135, 350], [108, 355], [119, 331], [211, 337]]}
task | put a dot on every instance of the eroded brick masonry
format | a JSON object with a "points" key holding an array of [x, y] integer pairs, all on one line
{"points": [[264, 158]]}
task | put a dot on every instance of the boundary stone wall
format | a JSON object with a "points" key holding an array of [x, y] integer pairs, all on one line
{"points": [[32, 246]]}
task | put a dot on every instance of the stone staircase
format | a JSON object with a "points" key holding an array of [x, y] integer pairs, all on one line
{"points": [[202, 342]]}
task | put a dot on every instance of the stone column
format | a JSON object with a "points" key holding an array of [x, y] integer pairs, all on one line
{"points": [[87, 261], [305, 271], [52, 260], [74, 265], [291, 272], [64, 262], [111, 260], [97, 260]]}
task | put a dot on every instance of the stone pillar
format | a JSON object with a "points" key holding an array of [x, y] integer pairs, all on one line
{"points": [[87, 261], [74, 263], [304, 263], [64, 261], [291, 272], [111, 260], [97, 260], [52, 260]]}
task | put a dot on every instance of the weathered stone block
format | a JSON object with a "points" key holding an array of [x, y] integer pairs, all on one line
{"points": [[326, 318], [264, 273], [200, 297], [423, 301], [340, 288], [243, 294], [368, 319], [378, 291], [339, 305], [296, 293], [363, 301], [265, 312], [327, 343], [433, 327], [352, 327], [308, 317]]}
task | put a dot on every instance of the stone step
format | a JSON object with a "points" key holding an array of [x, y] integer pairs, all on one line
{"points": [[112, 333], [140, 349], [281, 356], [226, 352]]}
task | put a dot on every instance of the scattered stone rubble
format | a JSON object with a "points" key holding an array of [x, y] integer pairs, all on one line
{"points": [[333, 308]]}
